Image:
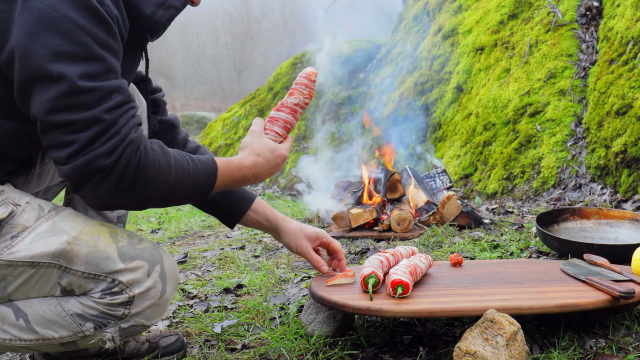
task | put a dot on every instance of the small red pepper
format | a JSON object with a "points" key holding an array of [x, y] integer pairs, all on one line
{"points": [[456, 259]]}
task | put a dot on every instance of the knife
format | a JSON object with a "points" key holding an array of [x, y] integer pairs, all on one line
{"points": [[604, 263], [618, 291]]}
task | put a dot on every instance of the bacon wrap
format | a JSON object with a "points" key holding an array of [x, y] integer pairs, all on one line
{"points": [[407, 273], [286, 114], [380, 263]]}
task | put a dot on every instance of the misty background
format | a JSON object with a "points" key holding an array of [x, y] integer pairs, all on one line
{"points": [[214, 55]]}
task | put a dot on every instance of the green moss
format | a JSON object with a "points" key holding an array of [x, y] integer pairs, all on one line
{"points": [[485, 109], [612, 123]]}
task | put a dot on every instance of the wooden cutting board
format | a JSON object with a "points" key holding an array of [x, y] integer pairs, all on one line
{"points": [[515, 287]]}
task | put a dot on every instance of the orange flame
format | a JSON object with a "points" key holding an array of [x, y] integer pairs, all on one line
{"points": [[368, 123], [387, 154], [368, 188]]}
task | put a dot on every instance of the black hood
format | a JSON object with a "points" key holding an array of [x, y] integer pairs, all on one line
{"points": [[153, 17]]}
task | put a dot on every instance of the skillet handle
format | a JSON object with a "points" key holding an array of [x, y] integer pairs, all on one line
{"points": [[618, 291]]}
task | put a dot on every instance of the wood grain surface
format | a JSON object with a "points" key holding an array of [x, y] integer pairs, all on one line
{"points": [[335, 233], [515, 287]]}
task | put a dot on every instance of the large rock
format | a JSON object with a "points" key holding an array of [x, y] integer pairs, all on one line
{"points": [[496, 336], [319, 319]]}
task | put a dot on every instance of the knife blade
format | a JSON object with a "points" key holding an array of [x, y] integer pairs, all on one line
{"points": [[618, 291], [588, 270]]}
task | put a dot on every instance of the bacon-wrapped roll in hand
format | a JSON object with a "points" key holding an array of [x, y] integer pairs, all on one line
{"points": [[378, 265], [403, 276], [286, 114]]}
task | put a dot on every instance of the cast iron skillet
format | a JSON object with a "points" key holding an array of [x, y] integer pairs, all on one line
{"points": [[612, 234]]}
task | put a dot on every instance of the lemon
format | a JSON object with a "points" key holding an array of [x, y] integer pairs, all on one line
{"points": [[635, 262]]}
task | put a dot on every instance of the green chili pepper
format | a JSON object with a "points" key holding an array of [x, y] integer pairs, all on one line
{"points": [[371, 280]]}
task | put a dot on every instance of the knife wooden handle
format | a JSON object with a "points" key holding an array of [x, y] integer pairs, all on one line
{"points": [[604, 263], [618, 291]]}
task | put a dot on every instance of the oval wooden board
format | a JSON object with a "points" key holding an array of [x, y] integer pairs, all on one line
{"points": [[515, 287]]}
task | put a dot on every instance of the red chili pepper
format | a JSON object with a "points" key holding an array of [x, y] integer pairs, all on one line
{"points": [[399, 286], [456, 259]]}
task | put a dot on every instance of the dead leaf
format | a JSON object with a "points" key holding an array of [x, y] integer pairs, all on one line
{"points": [[182, 258], [217, 327]]}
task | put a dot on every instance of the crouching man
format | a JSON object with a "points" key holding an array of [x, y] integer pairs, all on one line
{"points": [[76, 116]]}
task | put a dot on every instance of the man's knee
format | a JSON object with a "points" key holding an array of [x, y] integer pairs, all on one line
{"points": [[154, 281]]}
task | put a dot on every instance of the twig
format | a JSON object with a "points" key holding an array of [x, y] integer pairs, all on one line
{"points": [[518, 68], [420, 225], [569, 89], [628, 46], [330, 6]]}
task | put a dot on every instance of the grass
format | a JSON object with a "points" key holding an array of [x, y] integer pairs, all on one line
{"points": [[255, 277]]}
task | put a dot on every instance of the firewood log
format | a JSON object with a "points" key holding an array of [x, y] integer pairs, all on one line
{"points": [[395, 190], [401, 216], [386, 183], [362, 214], [468, 218], [341, 219], [414, 187], [449, 207], [347, 193]]}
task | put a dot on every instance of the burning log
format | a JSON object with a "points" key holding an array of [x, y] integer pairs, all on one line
{"points": [[401, 216], [395, 190], [341, 219], [385, 221], [468, 218], [414, 187], [385, 183], [363, 214]]}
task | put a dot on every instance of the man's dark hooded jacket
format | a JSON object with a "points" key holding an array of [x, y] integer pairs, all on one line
{"points": [[65, 68]]}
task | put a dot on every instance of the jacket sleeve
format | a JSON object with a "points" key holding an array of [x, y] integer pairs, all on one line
{"points": [[66, 70], [228, 206]]}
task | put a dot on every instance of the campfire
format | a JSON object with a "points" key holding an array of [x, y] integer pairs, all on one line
{"points": [[388, 200]]}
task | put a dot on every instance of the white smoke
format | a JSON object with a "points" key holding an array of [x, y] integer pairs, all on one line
{"points": [[328, 163]]}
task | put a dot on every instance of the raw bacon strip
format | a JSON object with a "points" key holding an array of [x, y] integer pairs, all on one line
{"points": [[286, 114], [378, 265], [347, 277], [403, 276]]}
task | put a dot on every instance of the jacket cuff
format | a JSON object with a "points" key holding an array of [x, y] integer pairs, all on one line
{"points": [[228, 206]]}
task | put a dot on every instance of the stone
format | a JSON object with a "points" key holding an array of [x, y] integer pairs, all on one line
{"points": [[319, 319], [477, 235], [495, 336]]}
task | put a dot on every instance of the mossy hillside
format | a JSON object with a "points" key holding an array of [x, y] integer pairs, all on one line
{"points": [[335, 98], [612, 122], [491, 120]]}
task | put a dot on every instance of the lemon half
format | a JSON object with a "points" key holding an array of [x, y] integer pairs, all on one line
{"points": [[635, 262]]}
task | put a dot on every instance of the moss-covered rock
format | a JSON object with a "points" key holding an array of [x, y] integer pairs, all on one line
{"points": [[195, 122], [492, 76], [612, 123]]}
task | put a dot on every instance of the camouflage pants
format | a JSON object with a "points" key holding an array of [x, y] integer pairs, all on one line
{"points": [[69, 277]]}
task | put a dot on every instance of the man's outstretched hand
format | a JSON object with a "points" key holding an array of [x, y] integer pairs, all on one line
{"points": [[308, 242], [300, 239], [257, 160]]}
